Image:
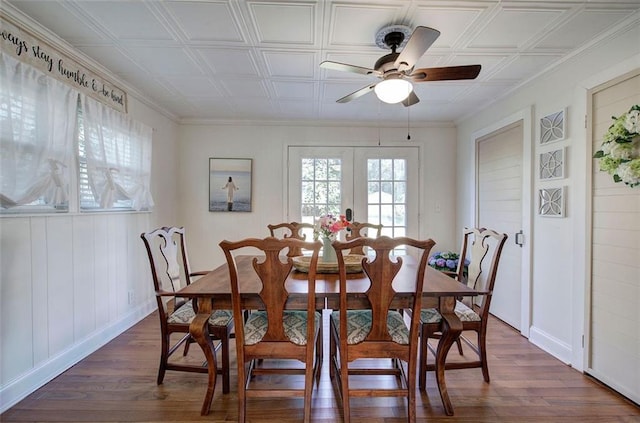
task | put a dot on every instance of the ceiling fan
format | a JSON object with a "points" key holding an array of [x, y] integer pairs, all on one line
{"points": [[396, 70]]}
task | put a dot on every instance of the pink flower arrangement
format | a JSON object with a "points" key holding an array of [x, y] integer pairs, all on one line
{"points": [[328, 226]]}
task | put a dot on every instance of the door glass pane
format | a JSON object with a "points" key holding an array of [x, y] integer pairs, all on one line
{"points": [[386, 199], [321, 189]]}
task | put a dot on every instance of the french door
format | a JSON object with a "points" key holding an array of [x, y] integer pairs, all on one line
{"points": [[379, 185]]}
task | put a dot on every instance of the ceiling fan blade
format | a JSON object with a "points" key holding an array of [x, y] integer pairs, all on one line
{"points": [[418, 43], [411, 100], [356, 94], [446, 73], [327, 64]]}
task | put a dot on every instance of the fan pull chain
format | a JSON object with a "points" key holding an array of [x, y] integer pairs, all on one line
{"points": [[379, 102], [409, 122]]}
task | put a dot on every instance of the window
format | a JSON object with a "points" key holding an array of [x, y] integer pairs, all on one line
{"points": [[114, 155], [37, 123]]}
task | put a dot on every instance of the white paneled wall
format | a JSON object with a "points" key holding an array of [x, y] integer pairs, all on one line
{"points": [[69, 284]]}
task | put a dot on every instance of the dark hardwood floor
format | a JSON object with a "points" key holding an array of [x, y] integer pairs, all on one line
{"points": [[117, 384]]}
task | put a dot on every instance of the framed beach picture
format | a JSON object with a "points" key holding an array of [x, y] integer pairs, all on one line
{"points": [[230, 185]]}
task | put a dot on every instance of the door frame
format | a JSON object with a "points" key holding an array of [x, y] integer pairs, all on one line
{"points": [[526, 116]]}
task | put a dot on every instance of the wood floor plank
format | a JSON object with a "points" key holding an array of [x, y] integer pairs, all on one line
{"points": [[117, 384]]}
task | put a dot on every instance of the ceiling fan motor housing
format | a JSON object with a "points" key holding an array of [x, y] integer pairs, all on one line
{"points": [[392, 37]]}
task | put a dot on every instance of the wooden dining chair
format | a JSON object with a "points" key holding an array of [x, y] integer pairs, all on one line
{"points": [[362, 229], [167, 252], [379, 332], [281, 329], [483, 248], [292, 230]]}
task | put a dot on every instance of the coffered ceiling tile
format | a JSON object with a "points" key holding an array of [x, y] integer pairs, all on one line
{"points": [[483, 94], [525, 66], [282, 23], [111, 58], [167, 61], [582, 27], [256, 108], [356, 25], [290, 64], [299, 109], [452, 22], [127, 20], [513, 27], [294, 90], [193, 86], [244, 88], [204, 108], [202, 21], [68, 25], [440, 91], [227, 61]]}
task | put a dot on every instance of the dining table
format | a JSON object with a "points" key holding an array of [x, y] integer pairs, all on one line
{"points": [[213, 291]]}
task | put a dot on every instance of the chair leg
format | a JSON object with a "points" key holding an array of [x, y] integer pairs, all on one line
{"points": [[459, 346], [242, 385], [308, 389], [164, 358], [186, 347], [344, 380], [424, 351], [319, 352], [225, 340], [332, 353], [482, 351]]}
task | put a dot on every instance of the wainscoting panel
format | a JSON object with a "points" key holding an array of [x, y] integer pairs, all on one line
{"points": [[68, 284]]}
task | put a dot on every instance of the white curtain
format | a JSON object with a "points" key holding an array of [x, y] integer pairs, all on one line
{"points": [[118, 155], [37, 128]]}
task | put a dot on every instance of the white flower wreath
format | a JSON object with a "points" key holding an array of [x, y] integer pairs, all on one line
{"points": [[619, 153]]}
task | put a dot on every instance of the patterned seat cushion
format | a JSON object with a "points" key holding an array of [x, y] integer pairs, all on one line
{"points": [[359, 326], [295, 326], [185, 314], [464, 313]]}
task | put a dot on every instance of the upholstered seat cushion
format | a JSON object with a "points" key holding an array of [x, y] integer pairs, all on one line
{"points": [[464, 313], [185, 314], [294, 321], [359, 326]]}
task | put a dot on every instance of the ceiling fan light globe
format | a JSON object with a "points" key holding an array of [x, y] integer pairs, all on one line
{"points": [[393, 91]]}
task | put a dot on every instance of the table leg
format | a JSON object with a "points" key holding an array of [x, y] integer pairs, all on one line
{"points": [[451, 329], [199, 330]]}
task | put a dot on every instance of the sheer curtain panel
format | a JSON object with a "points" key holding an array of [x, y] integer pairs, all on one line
{"points": [[37, 127], [117, 153]]}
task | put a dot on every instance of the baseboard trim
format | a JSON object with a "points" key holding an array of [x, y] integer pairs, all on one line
{"points": [[18, 389], [555, 347]]}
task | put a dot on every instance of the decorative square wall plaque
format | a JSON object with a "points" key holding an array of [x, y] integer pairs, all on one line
{"points": [[552, 164], [551, 202], [552, 127]]}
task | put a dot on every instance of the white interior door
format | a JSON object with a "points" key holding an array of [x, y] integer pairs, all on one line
{"points": [[380, 185], [613, 341], [499, 207]]}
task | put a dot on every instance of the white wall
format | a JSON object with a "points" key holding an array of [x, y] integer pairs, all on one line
{"points": [[65, 280], [266, 145], [559, 246]]}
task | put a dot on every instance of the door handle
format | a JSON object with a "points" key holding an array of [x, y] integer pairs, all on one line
{"points": [[519, 239]]}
